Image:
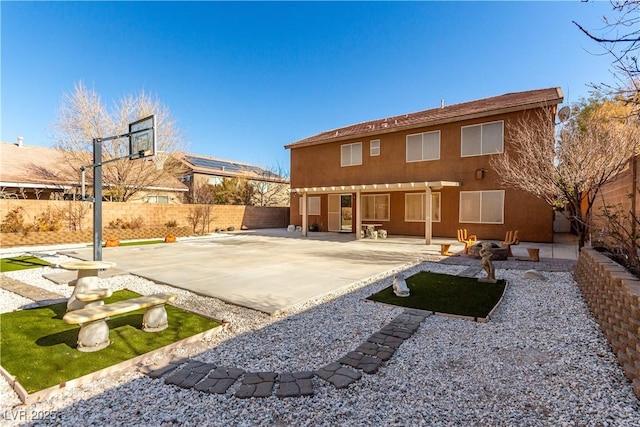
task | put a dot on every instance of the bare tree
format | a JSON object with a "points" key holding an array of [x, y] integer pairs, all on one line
{"points": [[620, 38], [271, 187], [199, 216], [589, 150], [83, 116]]}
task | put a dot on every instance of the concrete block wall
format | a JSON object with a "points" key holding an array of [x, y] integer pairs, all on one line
{"points": [[154, 216], [616, 192], [8, 240], [613, 295]]}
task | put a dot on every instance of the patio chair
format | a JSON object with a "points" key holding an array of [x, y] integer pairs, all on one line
{"points": [[511, 238], [467, 239]]}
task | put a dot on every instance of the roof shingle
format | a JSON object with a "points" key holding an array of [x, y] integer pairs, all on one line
{"points": [[455, 112]]}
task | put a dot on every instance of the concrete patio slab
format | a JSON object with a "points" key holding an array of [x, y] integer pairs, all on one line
{"points": [[264, 272], [271, 270]]}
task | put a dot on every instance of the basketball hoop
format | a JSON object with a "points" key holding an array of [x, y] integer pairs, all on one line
{"points": [[159, 159]]}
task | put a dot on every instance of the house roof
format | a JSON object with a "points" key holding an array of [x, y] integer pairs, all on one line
{"points": [[36, 166], [509, 102], [228, 168]]}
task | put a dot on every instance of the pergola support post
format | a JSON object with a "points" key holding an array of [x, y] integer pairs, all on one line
{"points": [[428, 232], [305, 220]]}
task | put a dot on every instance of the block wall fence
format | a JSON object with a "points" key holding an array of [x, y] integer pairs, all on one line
{"points": [[154, 217], [613, 295]]}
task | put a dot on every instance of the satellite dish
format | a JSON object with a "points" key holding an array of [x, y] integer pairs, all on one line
{"points": [[564, 113]]}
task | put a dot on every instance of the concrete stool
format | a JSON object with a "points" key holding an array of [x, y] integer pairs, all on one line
{"points": [[534, 254]]}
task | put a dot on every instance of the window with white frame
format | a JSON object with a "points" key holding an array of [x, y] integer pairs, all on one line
{"points": [[215, 180], [423, 146], [485, 138], [485, 207], [374, 147], [158, 199], [313, 205], [351, 154], [375, 207], [414, 207]]}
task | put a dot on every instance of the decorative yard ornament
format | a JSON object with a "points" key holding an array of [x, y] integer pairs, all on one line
{"points": [[486, 254], [400, 287]]}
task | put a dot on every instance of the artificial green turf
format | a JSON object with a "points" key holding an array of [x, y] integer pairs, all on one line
{"points": [[443, 293], [21, 263], [142, 242], [39, 349]]}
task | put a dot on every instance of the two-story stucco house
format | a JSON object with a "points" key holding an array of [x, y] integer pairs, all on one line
{"points": [[424, 174]]}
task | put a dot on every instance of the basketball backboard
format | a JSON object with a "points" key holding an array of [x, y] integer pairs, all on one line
{"points": [[142, 138]]}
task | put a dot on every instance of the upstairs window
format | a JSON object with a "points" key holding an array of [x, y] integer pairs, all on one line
{"points": [[423, 146], [485, 138], [374, 147], [351, 154]]}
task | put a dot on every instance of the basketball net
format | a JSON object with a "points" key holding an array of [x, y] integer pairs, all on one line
{"points": [[159, 159]]}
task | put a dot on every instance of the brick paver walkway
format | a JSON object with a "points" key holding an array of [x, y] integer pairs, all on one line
{"points": [[37, 294]]}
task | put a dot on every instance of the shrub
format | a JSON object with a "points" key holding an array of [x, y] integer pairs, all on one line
{"points": [[171, 224], [136, 223], [133, 224], [118, 223], [49, 220], [231, 228], [13, 221]]}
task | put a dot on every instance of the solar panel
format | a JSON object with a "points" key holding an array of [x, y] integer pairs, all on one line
{"points": [[228, 166]]}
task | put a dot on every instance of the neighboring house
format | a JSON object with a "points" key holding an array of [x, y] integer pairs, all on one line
{"points": [[271, 189], [424, 174], [33, 172]]}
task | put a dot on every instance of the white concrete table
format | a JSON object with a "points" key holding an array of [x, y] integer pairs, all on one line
{"points": [[87, 292], [369, 229]]}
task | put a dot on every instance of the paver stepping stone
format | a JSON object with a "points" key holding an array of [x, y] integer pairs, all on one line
{"points": [[387, 340], [397, 331], [257, 384], [338, 375], [364, 362], [295, 384], [163, 367], [372, 349], [181, 377], [219, 380]]}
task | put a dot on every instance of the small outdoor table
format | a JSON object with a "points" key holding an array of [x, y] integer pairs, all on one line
{"points": [[86, 291]]}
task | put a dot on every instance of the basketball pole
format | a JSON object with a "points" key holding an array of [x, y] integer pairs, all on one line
{"points": [[97, 175], [97, 199]]}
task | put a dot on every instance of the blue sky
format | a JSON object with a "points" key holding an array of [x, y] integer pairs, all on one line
{"points": [[244, 79]]}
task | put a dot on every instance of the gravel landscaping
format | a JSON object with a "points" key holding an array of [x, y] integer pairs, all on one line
{"points": [[541, 360]]}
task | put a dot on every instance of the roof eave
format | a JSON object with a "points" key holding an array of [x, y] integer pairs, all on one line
{"points": [[480, 114]]}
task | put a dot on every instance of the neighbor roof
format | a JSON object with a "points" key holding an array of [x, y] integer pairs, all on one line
{"points": [[456, 112], [220, 167], [35, 165]]}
